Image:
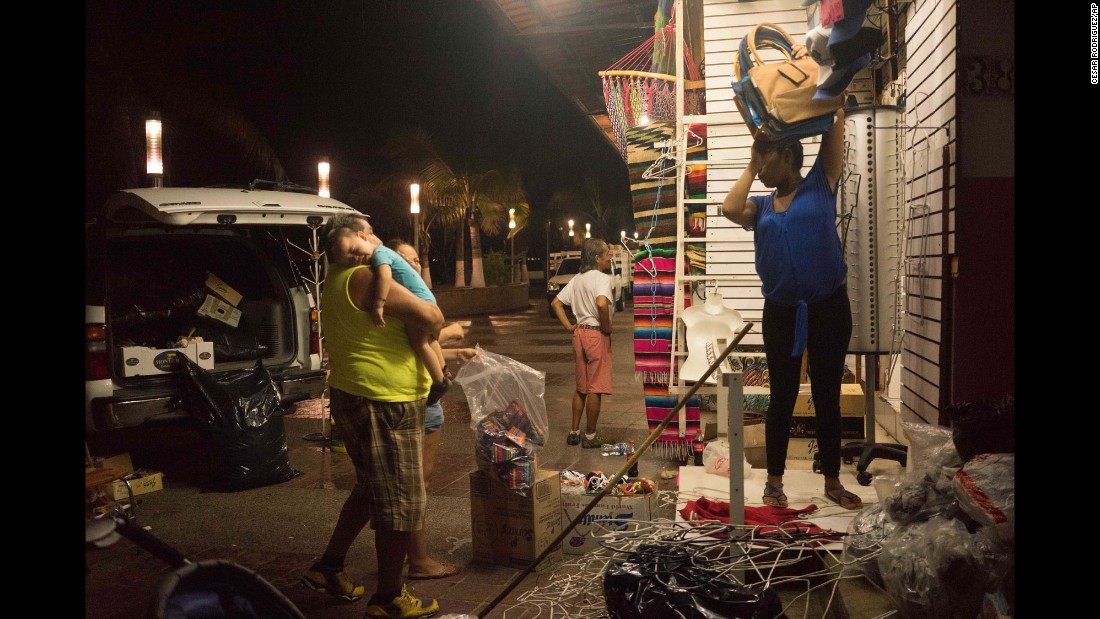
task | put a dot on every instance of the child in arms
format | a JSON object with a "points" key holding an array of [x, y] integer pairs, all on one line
{"points": [[390, 266]]}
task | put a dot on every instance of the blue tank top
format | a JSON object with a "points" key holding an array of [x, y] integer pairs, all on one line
{"points": [[799, 257]]}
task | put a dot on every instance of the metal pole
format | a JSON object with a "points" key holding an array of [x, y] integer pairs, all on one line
{"points": [[546, 266], [416, 232], [871, 368], [513, 259]]}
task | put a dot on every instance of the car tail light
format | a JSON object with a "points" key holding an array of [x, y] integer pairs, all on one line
{"points": [[96, 366], [314, 331]]}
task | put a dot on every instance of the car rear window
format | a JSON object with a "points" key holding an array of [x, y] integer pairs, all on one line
{"points": [[569, 266]]}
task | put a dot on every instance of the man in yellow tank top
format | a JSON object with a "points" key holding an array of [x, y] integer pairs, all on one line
{"points": [[378, 390]]}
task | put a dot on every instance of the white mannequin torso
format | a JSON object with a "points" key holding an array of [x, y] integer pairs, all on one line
{"points": [[707, 323]]}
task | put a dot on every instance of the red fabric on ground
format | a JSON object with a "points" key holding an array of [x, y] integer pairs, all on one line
{"points": [[789, 519]]}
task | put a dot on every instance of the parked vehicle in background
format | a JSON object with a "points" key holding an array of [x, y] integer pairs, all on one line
{"points": [[223, 275], [536, 268], [567, 264]]}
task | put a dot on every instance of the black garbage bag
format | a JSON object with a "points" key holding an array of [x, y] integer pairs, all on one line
{"points": [[231, 344], [157, 304], [983, 427], [240, 416], [658, 581]]}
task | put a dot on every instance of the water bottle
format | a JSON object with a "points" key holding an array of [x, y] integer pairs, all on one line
{"points": [[617, 449]]}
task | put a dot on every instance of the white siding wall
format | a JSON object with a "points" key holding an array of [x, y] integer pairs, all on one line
{"points": [[730, 247], [930, 120]]}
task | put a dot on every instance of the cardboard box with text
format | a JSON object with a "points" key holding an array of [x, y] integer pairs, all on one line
{"points": [[611, 513], [852, 403], [513, 530], [147, 361]]}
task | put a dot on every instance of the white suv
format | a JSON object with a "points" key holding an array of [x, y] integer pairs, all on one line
{"points": [[570, 264], [152, 253]]}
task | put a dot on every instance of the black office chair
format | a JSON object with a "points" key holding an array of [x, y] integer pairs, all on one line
{"points": [[868, 451]]}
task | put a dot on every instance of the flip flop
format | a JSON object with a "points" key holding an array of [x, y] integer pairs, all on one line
{"points": [[446, 571], [773, 495], [845, 499]]}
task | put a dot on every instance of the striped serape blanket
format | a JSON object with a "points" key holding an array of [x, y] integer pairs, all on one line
{"points": [[654, 290], [654, 198]]}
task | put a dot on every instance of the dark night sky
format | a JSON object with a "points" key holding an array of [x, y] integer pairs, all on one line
{"points": [[326, 79]]}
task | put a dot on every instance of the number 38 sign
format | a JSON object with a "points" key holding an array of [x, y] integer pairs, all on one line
{"points": [[989, 75]]}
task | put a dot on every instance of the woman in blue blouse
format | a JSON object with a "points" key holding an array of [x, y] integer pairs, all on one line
{"points": [[800, 262]]}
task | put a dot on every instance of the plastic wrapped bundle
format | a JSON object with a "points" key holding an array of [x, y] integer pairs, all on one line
{"points": [[937, 569], [864, 539], [506, 451]]}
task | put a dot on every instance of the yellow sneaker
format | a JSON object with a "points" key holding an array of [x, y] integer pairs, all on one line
{"points": [[403, 606], [334, 583]]}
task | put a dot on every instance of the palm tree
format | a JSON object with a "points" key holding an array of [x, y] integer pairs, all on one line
{"points": [[587, 200], [522, 216], [475, 201], [377, 199]]}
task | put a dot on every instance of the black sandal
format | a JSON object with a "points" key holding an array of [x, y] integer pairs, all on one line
{"points": [[773, 495], [845, 499]]}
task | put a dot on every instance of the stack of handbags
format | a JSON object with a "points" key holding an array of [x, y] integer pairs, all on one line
{"points": [[778, 97], [842, 47]]}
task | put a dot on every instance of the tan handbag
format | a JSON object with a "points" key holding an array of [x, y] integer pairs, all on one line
{"points": [[785, 89]]}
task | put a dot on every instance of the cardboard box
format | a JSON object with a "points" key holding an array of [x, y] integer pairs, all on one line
{"points": [[611, 513], [755, 449], [215, 308], [851, 400], [754, 446], [222, 289], [513, 530], [148, 361], [805, 426], [119, 462], [141, 482]]}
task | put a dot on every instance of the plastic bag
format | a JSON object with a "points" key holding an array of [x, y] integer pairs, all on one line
{"points": [[926, 489], [240, 415], [664, 581], [929, 447], [920, 499], [508, 415], [983, 427], [986, 489], [716, 460], [937, 569], [864, 539], [231, 344]]}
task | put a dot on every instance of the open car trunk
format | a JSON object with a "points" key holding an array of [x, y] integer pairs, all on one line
{"points": [[235, 267], [156, 288]]}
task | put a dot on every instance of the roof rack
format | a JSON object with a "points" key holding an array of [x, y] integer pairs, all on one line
{"points": [[280, 186]]}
